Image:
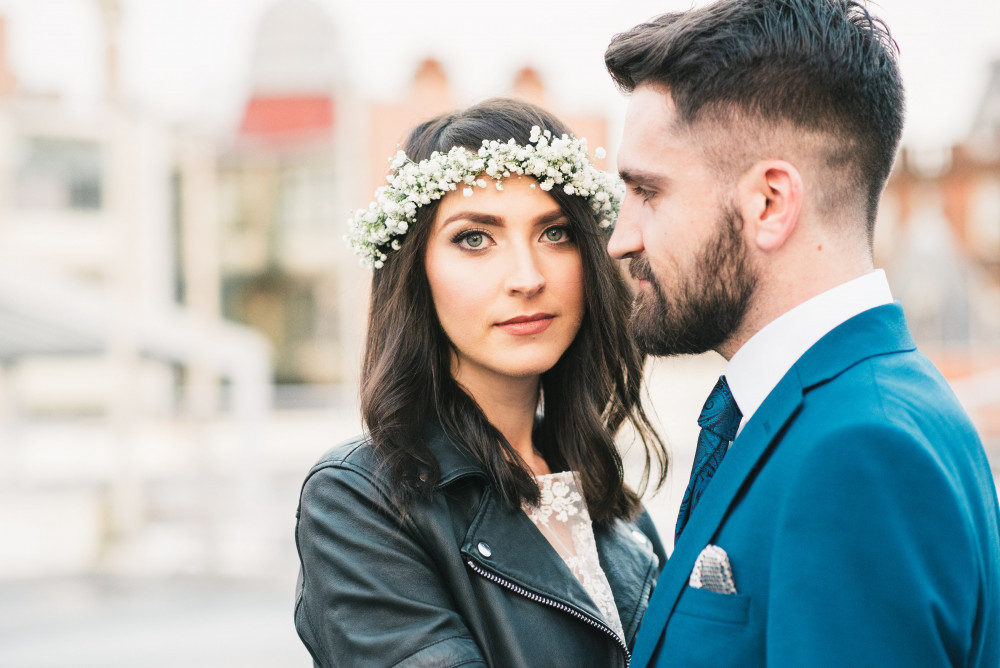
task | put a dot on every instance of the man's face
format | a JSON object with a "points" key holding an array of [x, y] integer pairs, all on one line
{"points": [[679, 226]]}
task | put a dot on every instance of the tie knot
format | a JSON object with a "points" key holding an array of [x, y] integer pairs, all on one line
{"points": [[720, 414]]}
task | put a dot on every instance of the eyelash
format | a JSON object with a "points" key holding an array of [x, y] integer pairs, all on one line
{"points": [[465, 234], [642, 193], [566, 230]]}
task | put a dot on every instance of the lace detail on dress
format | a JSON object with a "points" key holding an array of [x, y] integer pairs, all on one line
{"points": [[563, 519]]}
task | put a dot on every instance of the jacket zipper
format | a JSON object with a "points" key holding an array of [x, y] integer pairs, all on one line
{"points": [[517, 589]]}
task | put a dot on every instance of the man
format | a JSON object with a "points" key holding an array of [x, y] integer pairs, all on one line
{"points": [[852, 518]]}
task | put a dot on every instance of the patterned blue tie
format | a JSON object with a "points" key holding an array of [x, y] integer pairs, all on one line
{"points": [[719, 420]]}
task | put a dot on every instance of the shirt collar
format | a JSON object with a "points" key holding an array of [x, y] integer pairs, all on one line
{"points": [[767, 356]]}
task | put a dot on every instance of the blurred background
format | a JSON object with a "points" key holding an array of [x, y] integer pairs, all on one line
{"points": [[180, 322]]}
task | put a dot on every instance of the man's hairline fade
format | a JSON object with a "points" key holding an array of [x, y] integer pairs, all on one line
{"points": [[664, 51], [731, 143]]}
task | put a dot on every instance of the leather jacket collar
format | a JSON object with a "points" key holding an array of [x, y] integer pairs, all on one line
{"points": [[453, 461]]}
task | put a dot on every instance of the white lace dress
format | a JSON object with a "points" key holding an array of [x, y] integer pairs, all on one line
{"points": [[563, 519]]}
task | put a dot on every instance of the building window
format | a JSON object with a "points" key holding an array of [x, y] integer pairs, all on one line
{"points": [[307, 200], [58, 174]]}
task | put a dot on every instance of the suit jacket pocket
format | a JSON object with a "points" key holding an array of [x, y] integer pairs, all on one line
{"points": [[709, 629], [711, 605]]}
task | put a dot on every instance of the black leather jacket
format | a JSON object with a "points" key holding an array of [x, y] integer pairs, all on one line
{"points": [[463, 581]]}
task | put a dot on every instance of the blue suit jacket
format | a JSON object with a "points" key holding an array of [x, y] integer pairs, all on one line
{"points": [[860, 518]]}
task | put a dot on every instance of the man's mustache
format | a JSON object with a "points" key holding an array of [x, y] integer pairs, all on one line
{"points": [[639, 269]]}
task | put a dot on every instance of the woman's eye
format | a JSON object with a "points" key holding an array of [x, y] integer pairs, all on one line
{"points": [[472, 239], [557, 234]]}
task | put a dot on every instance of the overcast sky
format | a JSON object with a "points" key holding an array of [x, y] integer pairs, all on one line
{"points": [[189, 59]]}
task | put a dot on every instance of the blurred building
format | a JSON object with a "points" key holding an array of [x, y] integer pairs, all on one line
{"points": [[306, 155], [284, 181], [180, 319], [113, 354], [938, 236], [181, 322]]}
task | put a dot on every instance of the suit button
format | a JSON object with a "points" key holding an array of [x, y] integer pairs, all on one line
{"points": [[484, 550]]}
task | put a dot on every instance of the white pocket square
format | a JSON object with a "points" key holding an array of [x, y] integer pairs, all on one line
{"points": [[712, 571]]}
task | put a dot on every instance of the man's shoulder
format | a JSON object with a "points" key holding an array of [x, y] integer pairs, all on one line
{"points": [[893, 412], [890, 388], [870, 368]]}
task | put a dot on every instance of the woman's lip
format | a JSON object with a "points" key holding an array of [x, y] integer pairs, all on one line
{"points": [[525, 325], [526, 318]]}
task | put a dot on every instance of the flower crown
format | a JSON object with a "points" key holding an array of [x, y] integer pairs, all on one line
{"points": [[561, 160]]}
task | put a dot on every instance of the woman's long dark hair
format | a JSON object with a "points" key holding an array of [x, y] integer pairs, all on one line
{"points": [[591, 391]]}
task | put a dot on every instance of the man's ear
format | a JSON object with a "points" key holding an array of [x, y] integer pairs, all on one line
{"points": [[770, 195]]}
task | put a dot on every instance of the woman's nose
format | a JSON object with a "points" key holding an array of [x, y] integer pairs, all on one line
{"points": [[525, 276]]}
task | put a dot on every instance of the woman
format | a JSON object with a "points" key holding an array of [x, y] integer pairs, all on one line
{"points": [[483, 520]]}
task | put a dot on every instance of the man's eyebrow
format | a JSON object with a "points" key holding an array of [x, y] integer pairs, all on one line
{"points": [[632, 176]]}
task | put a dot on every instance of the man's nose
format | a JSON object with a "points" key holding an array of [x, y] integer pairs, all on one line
{"points": [[626, 239]]}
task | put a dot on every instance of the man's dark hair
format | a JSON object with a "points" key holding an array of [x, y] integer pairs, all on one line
{"points": [[822, 66], [588, 395]]}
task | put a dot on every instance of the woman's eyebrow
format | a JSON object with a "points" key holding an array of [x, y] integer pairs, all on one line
{"points": [[550, 217], [497, 221], [474, 217]]}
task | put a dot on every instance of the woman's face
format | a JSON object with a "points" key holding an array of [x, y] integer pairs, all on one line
{"points": [[506, 277]]}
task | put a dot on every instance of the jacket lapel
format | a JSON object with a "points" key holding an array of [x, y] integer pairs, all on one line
{"points": [[630, 565], [504, 541], [878, 331], [513, 548]]}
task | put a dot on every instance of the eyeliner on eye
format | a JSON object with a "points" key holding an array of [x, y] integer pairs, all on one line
{"points": [[461, 239], [458, 236]]}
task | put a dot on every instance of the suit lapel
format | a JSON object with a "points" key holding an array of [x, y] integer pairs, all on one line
{"points": [[878, 331], [749, 447]]}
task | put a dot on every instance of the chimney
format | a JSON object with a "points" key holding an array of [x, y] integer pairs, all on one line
{"points": [[8, 83]]}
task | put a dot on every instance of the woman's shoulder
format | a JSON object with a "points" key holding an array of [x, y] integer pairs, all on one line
{"points": [[350, 460], [354, 452]]}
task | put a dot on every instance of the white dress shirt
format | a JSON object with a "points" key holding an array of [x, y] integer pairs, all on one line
{"points": [[767, 356]]}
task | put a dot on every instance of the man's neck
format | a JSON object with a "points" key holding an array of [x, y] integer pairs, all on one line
{"points": [[763, 360], [782, 288]]}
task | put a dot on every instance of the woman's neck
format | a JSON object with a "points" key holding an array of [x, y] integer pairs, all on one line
{"points": [[509, 404]]}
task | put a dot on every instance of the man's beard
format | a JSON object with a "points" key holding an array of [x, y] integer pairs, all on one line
{"points": [[707, 305]]}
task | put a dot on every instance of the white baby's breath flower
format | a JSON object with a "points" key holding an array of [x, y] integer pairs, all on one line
{"points": [[547, 159]]}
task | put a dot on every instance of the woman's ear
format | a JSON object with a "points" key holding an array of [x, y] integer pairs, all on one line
{"points": [[770, 195]]}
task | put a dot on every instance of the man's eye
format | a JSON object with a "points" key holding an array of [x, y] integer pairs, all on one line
{"points": [[641, 193]]}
